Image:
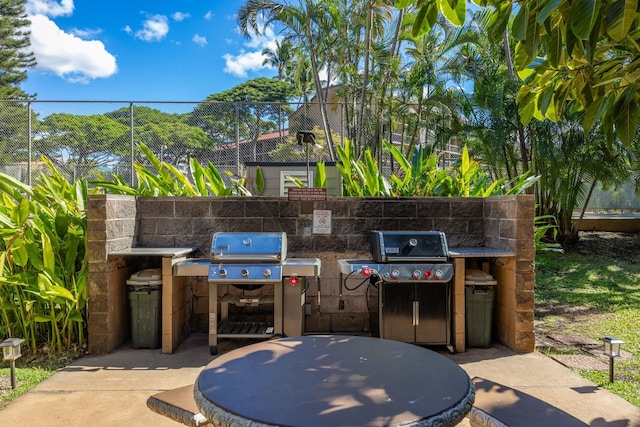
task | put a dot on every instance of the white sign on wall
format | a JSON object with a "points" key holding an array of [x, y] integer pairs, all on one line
{"points": [[321, 221]]}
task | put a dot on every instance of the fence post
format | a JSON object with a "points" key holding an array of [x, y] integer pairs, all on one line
{"points": [[29, 141], [132, 153], [237, 139]]}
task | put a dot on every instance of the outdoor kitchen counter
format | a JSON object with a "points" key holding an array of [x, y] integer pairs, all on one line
{"points": [[460, 257], [333, 380], [479, 253], [163, 252], [173, 313]]}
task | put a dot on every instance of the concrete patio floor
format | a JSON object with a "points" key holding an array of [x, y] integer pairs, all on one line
{"points": [[112, 389]]}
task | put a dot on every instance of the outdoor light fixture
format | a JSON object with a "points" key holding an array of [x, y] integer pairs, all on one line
{"points": [[611, 349], [307, 138], [11, 351]]}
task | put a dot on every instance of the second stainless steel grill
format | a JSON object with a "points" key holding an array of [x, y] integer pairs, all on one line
{"points": [[413, 276]]}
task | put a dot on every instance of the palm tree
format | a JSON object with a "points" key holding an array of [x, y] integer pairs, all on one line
{"points": [[280, 58], [570, 164], [491, 107], [301, 22], [428, 100]]}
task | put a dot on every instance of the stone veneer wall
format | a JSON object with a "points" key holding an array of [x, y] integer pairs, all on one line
{"points": [[508, 224], [111, 226], [499, 222]]}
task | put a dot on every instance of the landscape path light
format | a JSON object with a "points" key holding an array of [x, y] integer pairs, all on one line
{"points": [[611, 349], [11, 351]]}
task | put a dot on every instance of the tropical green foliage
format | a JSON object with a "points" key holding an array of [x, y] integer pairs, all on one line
{"points": [[360, 177], [546, 232], [421, 176], [43, 265], [578, 55], [163, 179], [571, 163]]}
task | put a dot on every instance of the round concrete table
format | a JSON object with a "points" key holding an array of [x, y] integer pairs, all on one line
{"points": [[333, 380]]}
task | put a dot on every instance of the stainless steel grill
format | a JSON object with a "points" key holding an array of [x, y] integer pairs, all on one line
{"points": [[403, 246], [243, 259], [412, 272], [399, 256], [247, 262]]}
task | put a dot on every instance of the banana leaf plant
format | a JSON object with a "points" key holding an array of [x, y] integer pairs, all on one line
{"points": [[360, 178], [420, 176], [43, 265], [164, 179]]}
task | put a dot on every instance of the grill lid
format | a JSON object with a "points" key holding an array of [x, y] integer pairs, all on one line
{"points": [[414, 246], [249, 247]]}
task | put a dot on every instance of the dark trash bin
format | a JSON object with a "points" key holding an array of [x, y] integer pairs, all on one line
{"points": [[479, 297], [145, 300]]}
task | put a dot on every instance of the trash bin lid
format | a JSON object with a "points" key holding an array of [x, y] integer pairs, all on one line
{"points": [[478, 277], [147, 277]]}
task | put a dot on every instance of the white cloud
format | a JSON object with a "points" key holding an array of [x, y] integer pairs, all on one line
{"points": [[260, 42], [67, 55], [198, 39], [239, 65], [208, 16], [50, 8], [155, 28], [180, 16]]}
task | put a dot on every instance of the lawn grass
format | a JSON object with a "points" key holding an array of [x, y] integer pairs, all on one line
{"points": [[26, 378], [30, 371], [595, 292]]}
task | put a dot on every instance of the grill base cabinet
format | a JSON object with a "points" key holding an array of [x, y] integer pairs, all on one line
{"points": [[287, 313], [417, 313]]}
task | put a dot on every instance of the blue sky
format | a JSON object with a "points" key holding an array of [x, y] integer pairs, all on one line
{"points": [[140, 50]]}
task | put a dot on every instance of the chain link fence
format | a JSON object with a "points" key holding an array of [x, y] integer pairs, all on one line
{"points": [[94, 139]]}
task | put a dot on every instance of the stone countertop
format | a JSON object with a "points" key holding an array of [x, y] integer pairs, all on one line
{"points": [[165, 252], [480, 253]]}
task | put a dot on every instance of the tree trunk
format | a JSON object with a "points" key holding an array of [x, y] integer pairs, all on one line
{"points": [[316, 78], [521, 135]]}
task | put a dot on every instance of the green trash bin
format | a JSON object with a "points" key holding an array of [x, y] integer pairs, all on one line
{"points": [[479, 297], [145, 301]]}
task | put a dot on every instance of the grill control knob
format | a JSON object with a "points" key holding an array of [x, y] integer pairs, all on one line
{"points": [[439, 273], [395, 274], [416, 274], [413, 242], [427, 274], [223, 272], [244, 273], [266, 272]]}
